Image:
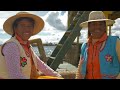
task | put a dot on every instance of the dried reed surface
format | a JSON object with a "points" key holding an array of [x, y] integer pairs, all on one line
{"points": [[68, 74]]}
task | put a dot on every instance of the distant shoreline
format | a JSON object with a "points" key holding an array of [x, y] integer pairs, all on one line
{"points": [[51, 44], [45, 44]]}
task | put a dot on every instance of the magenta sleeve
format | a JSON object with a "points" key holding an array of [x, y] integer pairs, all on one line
{"points": [[45, 69]]}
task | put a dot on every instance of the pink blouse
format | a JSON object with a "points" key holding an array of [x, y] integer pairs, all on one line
{"points": [[12, 57]]}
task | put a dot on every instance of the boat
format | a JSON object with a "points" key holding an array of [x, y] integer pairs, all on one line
{"points": [[64, 59]]}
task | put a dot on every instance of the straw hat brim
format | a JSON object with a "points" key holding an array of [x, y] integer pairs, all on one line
{"points": [[39, 23], [108, 22]]}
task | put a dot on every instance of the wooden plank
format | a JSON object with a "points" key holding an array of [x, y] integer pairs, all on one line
{"points": [[41, 50]]}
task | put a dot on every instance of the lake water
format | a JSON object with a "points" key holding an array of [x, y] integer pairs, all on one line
{"points": [[48, 50]]}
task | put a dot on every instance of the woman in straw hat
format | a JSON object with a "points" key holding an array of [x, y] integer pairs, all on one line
{"points": [[100, 56], [20, 61]]}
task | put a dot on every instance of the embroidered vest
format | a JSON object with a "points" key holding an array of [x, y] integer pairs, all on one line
{"points": [[25, 63], [109, 63]]}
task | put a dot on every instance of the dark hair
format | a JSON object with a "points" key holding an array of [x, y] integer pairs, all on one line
{"points": [[15, 23]]}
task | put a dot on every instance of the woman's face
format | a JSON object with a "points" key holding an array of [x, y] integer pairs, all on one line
{"points": [[97, 29], [24, 29]]}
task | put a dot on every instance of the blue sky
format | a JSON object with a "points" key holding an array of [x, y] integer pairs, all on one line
{"points": [[55, 26]]}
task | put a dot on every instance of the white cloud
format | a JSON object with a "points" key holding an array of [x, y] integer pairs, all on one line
{"points": [[2, 20], [64, 18], [116, 25], [56, 20], [6, 14], [53, 36]]}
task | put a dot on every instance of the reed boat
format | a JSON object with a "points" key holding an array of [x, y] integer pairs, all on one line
{"points": [[65, 57]]}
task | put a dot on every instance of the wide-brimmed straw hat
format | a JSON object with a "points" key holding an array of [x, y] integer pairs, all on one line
{"points": [[39, 23], [97, 16]]}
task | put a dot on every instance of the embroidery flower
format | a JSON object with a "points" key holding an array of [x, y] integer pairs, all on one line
{"points": [[108, 58], [23, 61]]}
